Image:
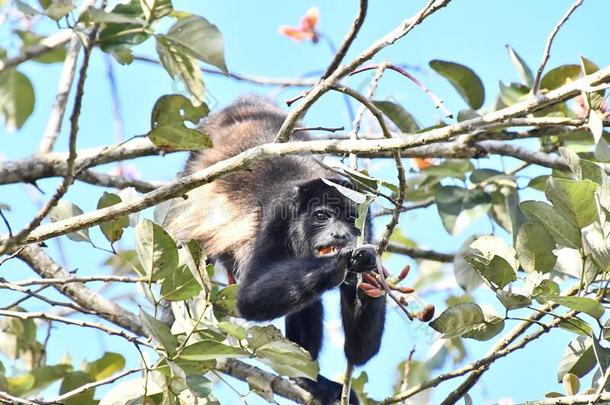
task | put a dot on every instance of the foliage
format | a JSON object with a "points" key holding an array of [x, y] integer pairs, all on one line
{"points": [[544, 256]]}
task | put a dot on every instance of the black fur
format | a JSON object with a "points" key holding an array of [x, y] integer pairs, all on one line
{"points": [[283, 273]]}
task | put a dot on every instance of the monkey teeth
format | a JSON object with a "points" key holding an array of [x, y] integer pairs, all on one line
{"points": [[328, 250]]}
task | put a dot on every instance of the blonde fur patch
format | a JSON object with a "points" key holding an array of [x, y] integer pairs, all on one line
{"points": [[208, 216]]}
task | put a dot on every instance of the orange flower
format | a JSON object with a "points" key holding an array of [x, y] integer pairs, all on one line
{"points": [[422, 163], [306, 29]]}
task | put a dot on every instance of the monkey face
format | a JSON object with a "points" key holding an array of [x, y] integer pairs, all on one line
{"points": [[325, 223]]}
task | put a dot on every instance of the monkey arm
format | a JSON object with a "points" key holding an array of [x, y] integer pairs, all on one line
{"points": [[363, 321], [271, 289]]}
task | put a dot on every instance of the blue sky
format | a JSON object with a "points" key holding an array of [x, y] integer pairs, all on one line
{"points": [[472, 32]]}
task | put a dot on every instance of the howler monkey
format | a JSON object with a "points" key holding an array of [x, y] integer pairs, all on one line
{"points": [[285, 234]]}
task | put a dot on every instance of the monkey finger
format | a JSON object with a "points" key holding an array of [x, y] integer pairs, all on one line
{"points": [[369, 278], [366, 287]]}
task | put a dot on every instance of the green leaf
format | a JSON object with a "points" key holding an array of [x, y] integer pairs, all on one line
{"points": [[211, 350], [524, 71], [180, 65], [459, 207], [124, 32], [399, 116], [30, 39], [180, 285], [258, 336], [492, 326], [64, 210], [538, 182], [156, 250], [57, 9], [577, 326], [232, 329], [177, 137], [513, 93], [76, 380], [583, 304], [199, 385], [493, 259], [602, 355], [160, 332], [464, 80], [105, 366], [94, 15], [564, 232], [174, 108], [38, 379], [289, 359], [578, 358], [546, 288], [450, 168], [225, 302], [113, 229], [574, 199], [512, 300], [465, 275], [16, 99], [468, 114], [535, 248], [458, 320], [559, 76], [155, 9], [200, 39], [26, 9]]}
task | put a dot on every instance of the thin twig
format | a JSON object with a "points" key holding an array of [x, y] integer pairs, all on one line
{"points": [[327, 129], [438, 102], [549, 42], [75, 322], [349, 39], [479, 364], [86, 387], [259, 80]]}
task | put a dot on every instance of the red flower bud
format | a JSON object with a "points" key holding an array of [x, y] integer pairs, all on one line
{"points": [[426, 314]]}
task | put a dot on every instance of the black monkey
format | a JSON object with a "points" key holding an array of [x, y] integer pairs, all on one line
{"points": [[285, 234]]}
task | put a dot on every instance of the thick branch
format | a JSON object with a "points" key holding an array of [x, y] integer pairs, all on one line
{"points": [[280, 386]]}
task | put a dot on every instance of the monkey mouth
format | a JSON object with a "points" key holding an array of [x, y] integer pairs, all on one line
{"points": [[328, 250]]}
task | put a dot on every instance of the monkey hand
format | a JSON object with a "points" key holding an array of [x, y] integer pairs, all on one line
{"points": [[363, 259]]}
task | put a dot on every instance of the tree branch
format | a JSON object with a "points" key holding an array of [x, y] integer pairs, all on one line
{"points": [[349, 39], [47, 44], [549, 43], [249, 157]]}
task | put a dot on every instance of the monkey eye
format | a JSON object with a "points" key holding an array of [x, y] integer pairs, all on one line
{"points": [[320, 216]]}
